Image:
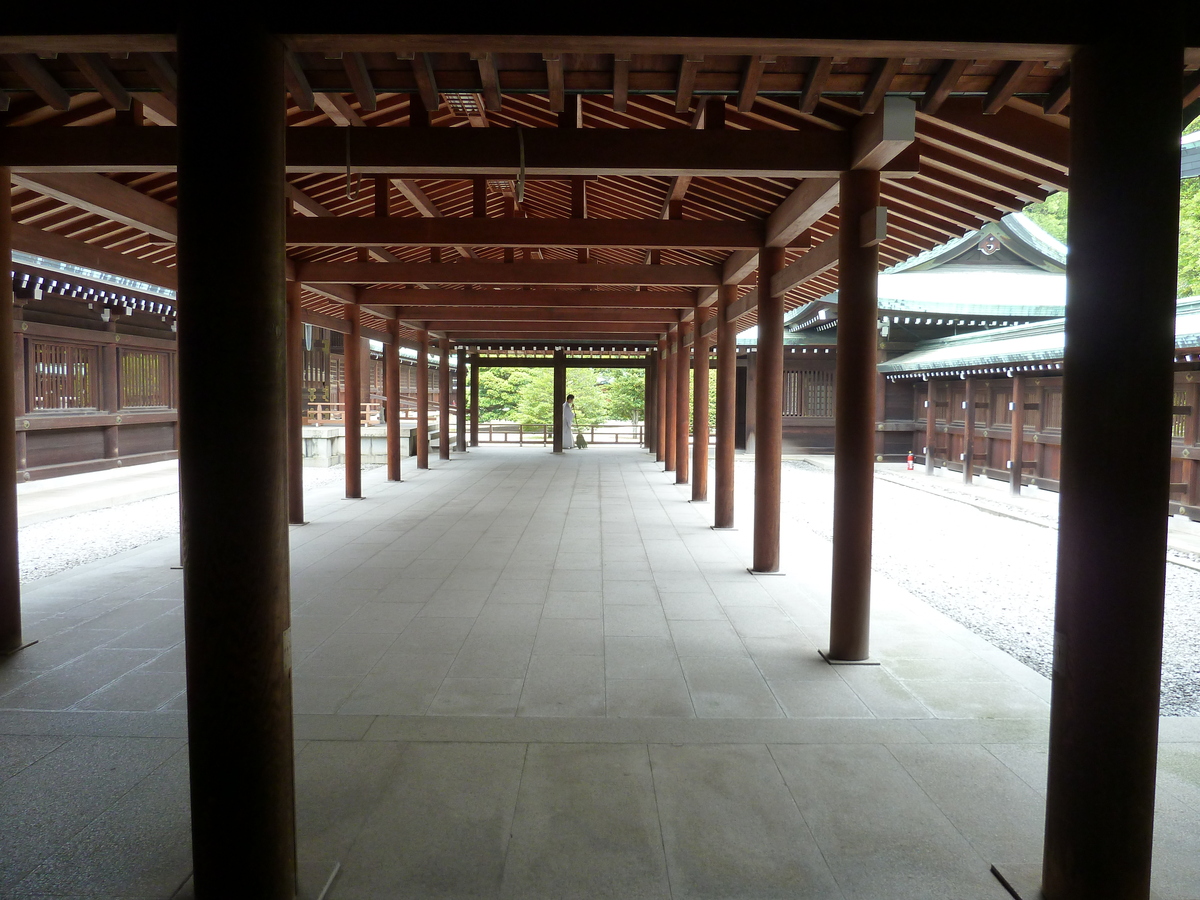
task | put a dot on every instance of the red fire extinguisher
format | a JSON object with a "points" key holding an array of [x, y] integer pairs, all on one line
{"points": [[910, 461]]}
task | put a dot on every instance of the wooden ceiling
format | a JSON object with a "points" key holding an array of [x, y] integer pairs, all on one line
{"points": [[613, 254]]}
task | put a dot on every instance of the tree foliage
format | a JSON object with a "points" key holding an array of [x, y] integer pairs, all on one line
{"points": [[626, 392], [1052, 217]]}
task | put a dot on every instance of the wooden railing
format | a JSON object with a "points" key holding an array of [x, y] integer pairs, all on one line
{"points": [[504, 433], [372, 413]]}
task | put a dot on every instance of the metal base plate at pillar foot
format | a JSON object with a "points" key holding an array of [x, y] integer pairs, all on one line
{"points": [[757, 572], [17, 649], [722, 528], [847, 662]]}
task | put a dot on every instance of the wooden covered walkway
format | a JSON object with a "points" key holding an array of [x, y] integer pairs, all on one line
{"points": [[660, 192]]}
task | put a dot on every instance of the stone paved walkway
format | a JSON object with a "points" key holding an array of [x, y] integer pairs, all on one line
{"points": [[525, 675]]}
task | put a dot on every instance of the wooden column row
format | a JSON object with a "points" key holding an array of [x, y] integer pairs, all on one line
{"points": [[10, 570]]}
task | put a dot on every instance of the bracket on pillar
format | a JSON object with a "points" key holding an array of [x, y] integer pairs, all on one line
{"points": [[872, 227], [881, 137]]}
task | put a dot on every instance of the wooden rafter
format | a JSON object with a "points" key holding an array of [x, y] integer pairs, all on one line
{"points": [[94, 68], [1006, 84], [40, 81]]}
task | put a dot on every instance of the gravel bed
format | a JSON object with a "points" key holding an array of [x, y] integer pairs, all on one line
{"points": [[933, 544], [59, 544]]}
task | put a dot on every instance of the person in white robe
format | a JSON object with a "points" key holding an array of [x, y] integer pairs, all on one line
{"points": [[568, 423]]}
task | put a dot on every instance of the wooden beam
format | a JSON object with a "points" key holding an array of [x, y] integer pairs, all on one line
{"points": [[810, 151], [426, 207], [1007, 83], [1031, 137], [942, 84], [105, 197], [738, 267], [467, 330], [534, 314], [94, 68], [162, 73], [489, 80], [677, 300], [554, 81], [817, 261], [317, 209], [621, 82], [800, 211], [360, 81], [878, 84], [1059, 96], [686, 82], [40, 81], [532, 273], [427, 85], [338, 110], [297, 83], [437, 230], [814, 83], [751, 79], [881, 137]]}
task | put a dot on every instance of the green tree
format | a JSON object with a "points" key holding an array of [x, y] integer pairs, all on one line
{"points": [[626, 391], [500, 391], [536, 403], [1051, 215]]}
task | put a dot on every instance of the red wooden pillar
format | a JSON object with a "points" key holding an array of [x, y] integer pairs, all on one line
{"points": [[460, 402], [854, 436], [660, 403], [1112, 530], [560, 397], [234, 505], [391, 390], [682, 406], [726, 409], [474, 399], [352, 405], [768, 451], [423, 400], [295, 405], [669, 419], [650, 395], [968, 472], [1016, 453], [700, 429], [930, 427], [444, 399], [10, 569]]}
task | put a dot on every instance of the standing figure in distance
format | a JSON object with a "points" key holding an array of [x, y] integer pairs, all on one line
{"points": [[568, 423]]}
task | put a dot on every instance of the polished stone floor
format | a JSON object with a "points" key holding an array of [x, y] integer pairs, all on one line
{"points": [[523, 675]]}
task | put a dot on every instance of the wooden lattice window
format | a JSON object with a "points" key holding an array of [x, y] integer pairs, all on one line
{"points": [[808, 394], [145, 379], [63, 376], [1053, 410], [1179, 422], [1001, 414]]}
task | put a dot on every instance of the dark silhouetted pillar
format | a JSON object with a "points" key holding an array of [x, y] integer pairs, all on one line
{"points": [[10, 569], [474, 399], [854, 423], [460, 402], [1112, 526], [768, 449], [235, 504]]}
